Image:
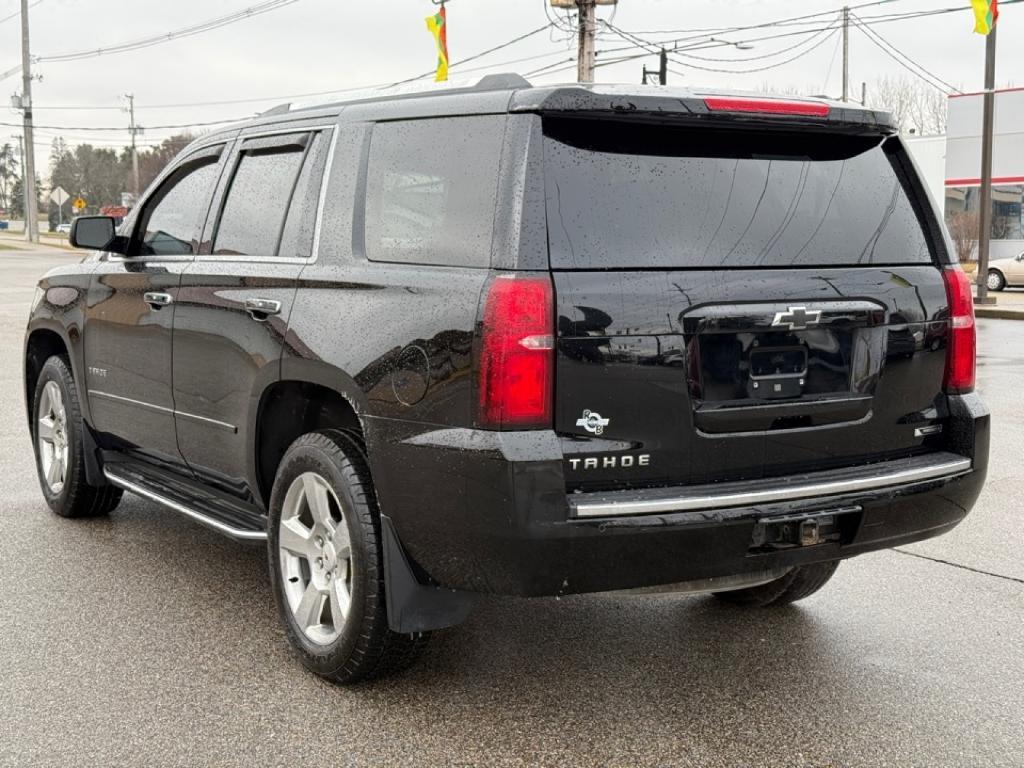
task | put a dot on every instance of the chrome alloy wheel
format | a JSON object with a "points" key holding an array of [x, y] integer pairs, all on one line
{"points": [[994, 281], [316, 558], [52, 437]]}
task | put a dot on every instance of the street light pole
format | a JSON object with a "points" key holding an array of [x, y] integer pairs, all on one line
{"points": [[28, 151]]}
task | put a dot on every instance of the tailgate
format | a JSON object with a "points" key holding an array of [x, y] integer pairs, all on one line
{"points": [[710, 377], [735, 304]]}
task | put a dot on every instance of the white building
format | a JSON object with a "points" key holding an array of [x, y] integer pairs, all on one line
{"points": [[951, 165]]}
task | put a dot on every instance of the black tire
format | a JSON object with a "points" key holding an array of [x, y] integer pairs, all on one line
{"points": [[801, 582], [75, 497], [365, 647], [996, 280]]}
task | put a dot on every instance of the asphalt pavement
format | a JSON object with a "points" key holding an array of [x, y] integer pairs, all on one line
{"points": [[146, 640]]}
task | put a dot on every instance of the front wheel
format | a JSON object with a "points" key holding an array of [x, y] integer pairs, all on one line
{"points": [[326, 562], [996, 281], [803, 581], [57, 432]]}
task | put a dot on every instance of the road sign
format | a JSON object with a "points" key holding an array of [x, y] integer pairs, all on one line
{"points": [[59, 195], [79, 204]]}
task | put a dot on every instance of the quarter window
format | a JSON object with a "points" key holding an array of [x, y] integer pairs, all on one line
{"points": [[431, 190]]}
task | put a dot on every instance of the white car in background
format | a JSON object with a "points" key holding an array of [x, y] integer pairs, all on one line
{"points": [[1003, 273], [63, 229]]}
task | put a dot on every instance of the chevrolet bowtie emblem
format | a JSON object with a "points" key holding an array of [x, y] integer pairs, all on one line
{"points": [[797, 318]]}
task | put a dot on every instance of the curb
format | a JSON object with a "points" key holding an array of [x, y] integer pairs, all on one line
{"points": [[1001, 313]]}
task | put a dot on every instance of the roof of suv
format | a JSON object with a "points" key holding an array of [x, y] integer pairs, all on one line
{"points": [[513, 93]]}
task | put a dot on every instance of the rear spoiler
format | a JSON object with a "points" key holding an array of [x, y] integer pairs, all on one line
{"points": [[755, 111]]}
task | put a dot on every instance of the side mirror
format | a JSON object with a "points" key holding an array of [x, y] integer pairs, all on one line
{"points": [[97, 233]]}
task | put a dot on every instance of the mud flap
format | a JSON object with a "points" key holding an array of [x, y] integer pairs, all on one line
{"points": [[412, 606], [91, 458]]}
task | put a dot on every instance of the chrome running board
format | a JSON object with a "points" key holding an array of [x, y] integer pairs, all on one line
{"points": [[131, 481]]}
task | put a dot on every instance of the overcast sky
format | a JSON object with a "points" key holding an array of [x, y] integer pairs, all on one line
{"points": [[320, 45]]}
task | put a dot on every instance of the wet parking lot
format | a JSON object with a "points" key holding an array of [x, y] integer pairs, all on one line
{"points": [[143, 639]]}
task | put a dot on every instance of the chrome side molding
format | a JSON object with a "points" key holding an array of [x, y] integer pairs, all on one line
{"points": [[199, 517], [806, 486]]}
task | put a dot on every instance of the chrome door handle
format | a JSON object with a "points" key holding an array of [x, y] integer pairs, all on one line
{"points": [[261, 309], [157, 300]]}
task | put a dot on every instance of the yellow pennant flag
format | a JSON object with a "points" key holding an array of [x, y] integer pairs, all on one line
{"points": [[438, 26], [985, 14]]}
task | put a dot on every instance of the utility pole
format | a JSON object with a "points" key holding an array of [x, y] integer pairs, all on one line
{"points": [[21, 156], [661, 71], [846, 53], [988, 116], [587, 33], [133, 129], [28, 149]]}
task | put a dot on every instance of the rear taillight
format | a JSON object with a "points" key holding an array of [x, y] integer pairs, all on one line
{"points": [[767, 106], [960, 352], [517, 358]]}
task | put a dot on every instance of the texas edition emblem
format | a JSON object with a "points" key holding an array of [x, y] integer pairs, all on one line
{"points": [[592, 422]]}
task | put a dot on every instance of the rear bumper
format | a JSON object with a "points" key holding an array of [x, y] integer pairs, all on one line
{"points": [[487, 511]]}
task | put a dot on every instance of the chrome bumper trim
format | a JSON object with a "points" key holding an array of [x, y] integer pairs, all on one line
{"points": [[791, 488], [199, 517]]}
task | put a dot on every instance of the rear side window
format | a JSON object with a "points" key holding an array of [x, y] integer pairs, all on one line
{"points": [[258, 200], [627, 195], [431, 188]]}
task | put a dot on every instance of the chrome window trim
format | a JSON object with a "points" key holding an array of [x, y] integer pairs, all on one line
{"points": [[322, 199], [705, 498], [243, 259], [333, 127]]}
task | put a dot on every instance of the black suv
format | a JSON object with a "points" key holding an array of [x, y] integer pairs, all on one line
{"points": [[519, 340]]}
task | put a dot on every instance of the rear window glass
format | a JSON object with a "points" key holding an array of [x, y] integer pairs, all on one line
{"points": [[626, 195], [431, 190]]}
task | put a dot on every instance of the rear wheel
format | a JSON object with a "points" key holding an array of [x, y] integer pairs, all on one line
{"points": [[996, 281], [57, 431], [326, 562], [801, 582]]}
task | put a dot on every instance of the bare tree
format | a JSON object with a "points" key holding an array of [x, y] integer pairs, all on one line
{"points": [[914, 105], [963, 229]]}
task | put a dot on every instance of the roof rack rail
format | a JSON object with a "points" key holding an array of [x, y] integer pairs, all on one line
{"points": [[280, 109], [502, 81]]}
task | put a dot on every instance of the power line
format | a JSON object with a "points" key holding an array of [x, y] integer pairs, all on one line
{"points": [[124, 129], [707, 43], [16, 14], [146, 42], [764, 68], [284, 97], [683, 52], [474, 57], [654, 48], [797, 21], [740, 59], [544, 70], [864, 22], [776, 22], [903, 59]]}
